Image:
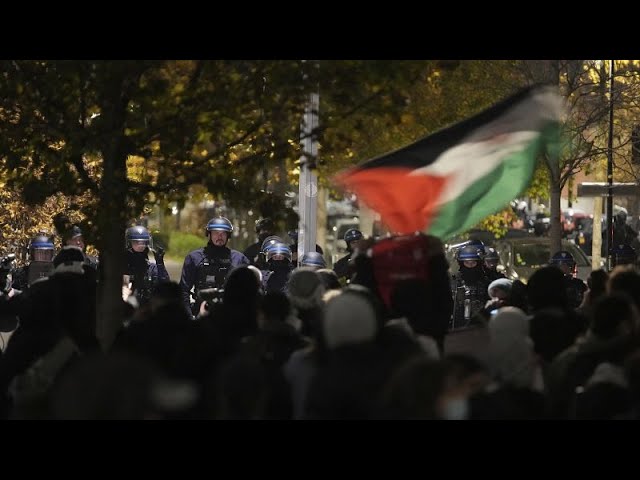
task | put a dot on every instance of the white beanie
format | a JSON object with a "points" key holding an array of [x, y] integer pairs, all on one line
{"points": [[349, 319], [511, 357], [501, 283]]}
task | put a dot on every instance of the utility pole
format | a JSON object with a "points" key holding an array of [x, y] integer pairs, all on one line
{"points": [[609, 239], [308, 183]]}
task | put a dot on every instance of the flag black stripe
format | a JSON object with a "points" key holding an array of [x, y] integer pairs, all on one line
{"points": [[426, 150]]}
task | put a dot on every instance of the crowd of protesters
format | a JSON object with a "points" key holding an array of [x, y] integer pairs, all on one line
{"points": [[262, 336]]}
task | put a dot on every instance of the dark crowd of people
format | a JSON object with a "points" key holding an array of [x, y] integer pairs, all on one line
{"points": [[265, 335]]}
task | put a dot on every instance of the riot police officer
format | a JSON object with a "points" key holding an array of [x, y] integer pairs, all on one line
{"points": [[208, 267], [469, 286], [265, 227], [261, 259], [74, 237], [622, 231], [342, 267], [41, 253], [472, 241], [143, 275], [313, 260], [575, 287], [491, 261], [279, 268], [623, 255]]}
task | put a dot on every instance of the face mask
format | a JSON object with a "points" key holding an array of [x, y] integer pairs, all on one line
{"points": [[456, 409], [279, 264]]}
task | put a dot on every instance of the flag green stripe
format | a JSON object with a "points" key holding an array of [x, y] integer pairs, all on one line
{"points": [[490, 193]]}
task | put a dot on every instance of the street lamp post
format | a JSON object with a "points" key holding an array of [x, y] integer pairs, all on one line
{"points": [[308, 186], [609, 238]]}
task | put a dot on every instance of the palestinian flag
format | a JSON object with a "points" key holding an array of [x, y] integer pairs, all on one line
{"points": [[447, 182]]}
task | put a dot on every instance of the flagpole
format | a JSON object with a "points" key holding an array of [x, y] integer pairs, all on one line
{"points": [[308, 182], [609, 238]]}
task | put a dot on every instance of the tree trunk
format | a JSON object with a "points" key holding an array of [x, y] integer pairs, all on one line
{"points": [[112, 250], [112, 214], [554, 197]]}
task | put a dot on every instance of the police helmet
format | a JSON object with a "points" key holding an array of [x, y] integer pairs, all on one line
{"points": [[469, 252], [75, 232], [71, 233], [265, 224], [269, 241], [620, 217], [41, 249], [563, 258], [491, 255], [479, 245], [138, 233], [278, 249], [219, 224], [623, 255], [313, 259], [352, 235]]}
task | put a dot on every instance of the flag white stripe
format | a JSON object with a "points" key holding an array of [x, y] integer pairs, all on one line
{"points": [[486, 147]]}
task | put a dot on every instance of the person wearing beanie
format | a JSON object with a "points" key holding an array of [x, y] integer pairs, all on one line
{"points": [[516, 392], [329, 279], [499, 292], [349, 319], [511, 355], [347, 382], [500, 288], [305, 291]]}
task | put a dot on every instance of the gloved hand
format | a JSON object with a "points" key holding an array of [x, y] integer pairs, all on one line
{"points": [[158, 253]]}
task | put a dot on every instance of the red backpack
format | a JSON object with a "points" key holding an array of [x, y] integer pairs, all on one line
{"points": [[402, 258]]}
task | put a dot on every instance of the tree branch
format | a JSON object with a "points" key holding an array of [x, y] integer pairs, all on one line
{"points": [[76, 161]]}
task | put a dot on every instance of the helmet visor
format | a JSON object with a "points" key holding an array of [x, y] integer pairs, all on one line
{"points": [[42, 255]]}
